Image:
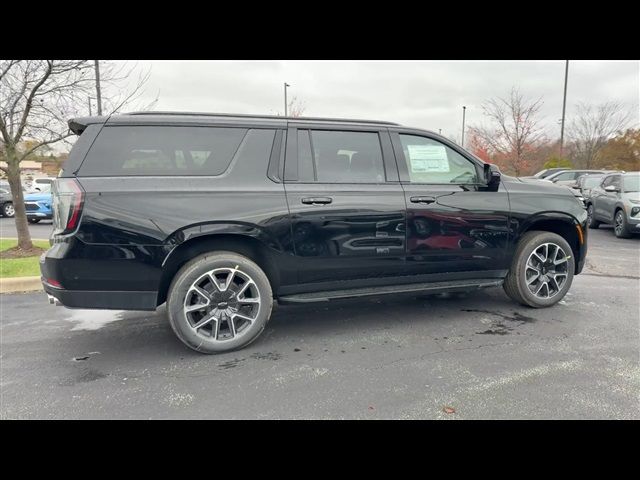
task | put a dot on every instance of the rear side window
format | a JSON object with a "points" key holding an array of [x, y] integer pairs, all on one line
{"points": [[157, 151], [330, 156]]}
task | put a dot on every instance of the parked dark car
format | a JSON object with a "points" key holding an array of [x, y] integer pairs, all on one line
{"points": [[6, 202], [221, 215], [616, 201]]}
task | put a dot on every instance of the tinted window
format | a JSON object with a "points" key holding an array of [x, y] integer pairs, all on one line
{"points": [[590, 181], [430, 161], [564, 176], [162, 151], [347, 157], [608, 181]]}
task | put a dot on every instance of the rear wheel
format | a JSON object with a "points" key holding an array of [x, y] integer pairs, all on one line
{"points": [[219, 301], [620, 227], [8, 210], [591, 221], [541, 270]]}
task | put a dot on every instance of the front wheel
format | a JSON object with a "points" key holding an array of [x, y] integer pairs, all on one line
{"points": [[620, 226], [219, 301], [8, 210], [591, 221], [541, 271]]}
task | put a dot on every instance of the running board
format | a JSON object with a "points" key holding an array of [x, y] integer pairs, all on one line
{"points": [[432, 287]]}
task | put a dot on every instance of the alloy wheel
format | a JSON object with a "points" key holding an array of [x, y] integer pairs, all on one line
{"points": [[619, 223], [546, 270], [222, 304]]}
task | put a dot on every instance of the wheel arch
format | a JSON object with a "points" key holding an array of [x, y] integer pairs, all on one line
{"points": [[562, 224], [250, 246]]}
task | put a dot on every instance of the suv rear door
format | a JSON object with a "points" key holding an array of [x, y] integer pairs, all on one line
{"points": [[604, 202], [346, 204], [454, 222]]}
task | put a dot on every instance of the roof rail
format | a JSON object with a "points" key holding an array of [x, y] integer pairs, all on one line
{"points": [[273, 117]]}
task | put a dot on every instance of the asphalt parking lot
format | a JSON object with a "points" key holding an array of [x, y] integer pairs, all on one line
{"points": [[400, 358]]}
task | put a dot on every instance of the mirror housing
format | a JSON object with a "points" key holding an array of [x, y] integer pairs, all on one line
{"points": [[491, 176], [610, 188]]}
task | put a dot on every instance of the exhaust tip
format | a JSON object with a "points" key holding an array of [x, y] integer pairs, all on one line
{"points": [[54, 301]]}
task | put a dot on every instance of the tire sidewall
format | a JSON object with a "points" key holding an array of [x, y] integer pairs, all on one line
{"points": [[4, 210], [189, 274], [623, 230], [528, 248]]}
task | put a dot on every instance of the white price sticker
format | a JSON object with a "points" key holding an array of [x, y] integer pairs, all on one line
{"points": [[428, 158]]}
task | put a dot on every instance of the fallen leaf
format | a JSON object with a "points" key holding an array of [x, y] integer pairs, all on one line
{"points": [[447, 409]]}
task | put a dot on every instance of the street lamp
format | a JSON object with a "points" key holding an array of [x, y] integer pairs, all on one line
{"points": [[285, 97], [464, 111], [564, 105]]}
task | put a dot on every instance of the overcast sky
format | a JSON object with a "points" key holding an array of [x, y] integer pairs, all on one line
{"points": [[423, 94]]}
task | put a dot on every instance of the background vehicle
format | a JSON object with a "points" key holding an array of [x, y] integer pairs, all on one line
{"points": [[616, 200], [586, 183], [6, 202], [569, 177], [192, 210], [39, 205], [546, 172]]}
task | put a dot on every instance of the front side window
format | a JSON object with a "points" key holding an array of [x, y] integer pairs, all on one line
{"points": [[429, 161], [330, 156], [564, 176], [632, 183]]}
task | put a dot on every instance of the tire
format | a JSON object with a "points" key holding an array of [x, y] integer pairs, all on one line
{"points": [[220, 329], [591, 221], [620, 225], [8, 210], [33, 220], [521, 280]]}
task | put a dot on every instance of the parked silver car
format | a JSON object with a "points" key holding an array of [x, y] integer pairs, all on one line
{"points": [[616, 200]]}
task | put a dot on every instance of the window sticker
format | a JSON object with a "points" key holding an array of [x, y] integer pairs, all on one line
{"points": [[428, 158]]}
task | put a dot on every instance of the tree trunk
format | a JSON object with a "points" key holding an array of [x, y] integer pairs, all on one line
{"points": [[13, 176]]}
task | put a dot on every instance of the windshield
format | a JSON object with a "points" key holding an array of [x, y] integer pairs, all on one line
{"points": [[632, 183], [592, 181]]}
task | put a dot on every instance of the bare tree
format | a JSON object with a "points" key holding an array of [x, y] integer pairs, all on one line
{"points": [[515, 128], [295, 108], [37, 97], [591, 127]]}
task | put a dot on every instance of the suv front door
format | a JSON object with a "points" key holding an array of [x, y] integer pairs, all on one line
{"points": [[455, 223], [346, 205]]}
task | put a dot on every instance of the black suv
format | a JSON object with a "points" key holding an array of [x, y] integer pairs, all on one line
{"points": [[221, 215]]}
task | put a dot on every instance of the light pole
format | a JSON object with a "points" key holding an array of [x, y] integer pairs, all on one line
{"points": [[439, 131], [89, 101], [464, 111], [285, 97], [564, 105], [98, 93]]}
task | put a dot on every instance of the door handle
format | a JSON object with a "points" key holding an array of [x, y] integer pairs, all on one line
{"points": [[423, 199], [317, 200]]}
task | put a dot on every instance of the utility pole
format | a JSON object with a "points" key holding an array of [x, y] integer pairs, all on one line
{"points": [[439, 131], [89, 101], [98, 94], [285, 98], [564, 105], [464, 111]]}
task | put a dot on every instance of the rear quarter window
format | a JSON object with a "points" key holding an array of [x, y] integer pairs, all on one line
{"points": [[162, 150]]}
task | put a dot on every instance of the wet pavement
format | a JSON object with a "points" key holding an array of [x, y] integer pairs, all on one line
{"points": [[479, 355]]}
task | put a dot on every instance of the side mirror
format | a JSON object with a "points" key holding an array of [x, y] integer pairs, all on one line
{"points": [[610, 188], [576, 186], [491, 175]]}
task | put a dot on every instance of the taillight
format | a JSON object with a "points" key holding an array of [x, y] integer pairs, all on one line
{"points": [[68, 198]]}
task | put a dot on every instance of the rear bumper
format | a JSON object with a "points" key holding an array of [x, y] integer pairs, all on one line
{"points": [[101, 299]]}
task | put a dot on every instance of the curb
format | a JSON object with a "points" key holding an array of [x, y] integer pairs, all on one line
{"points": [[20, 284]]}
